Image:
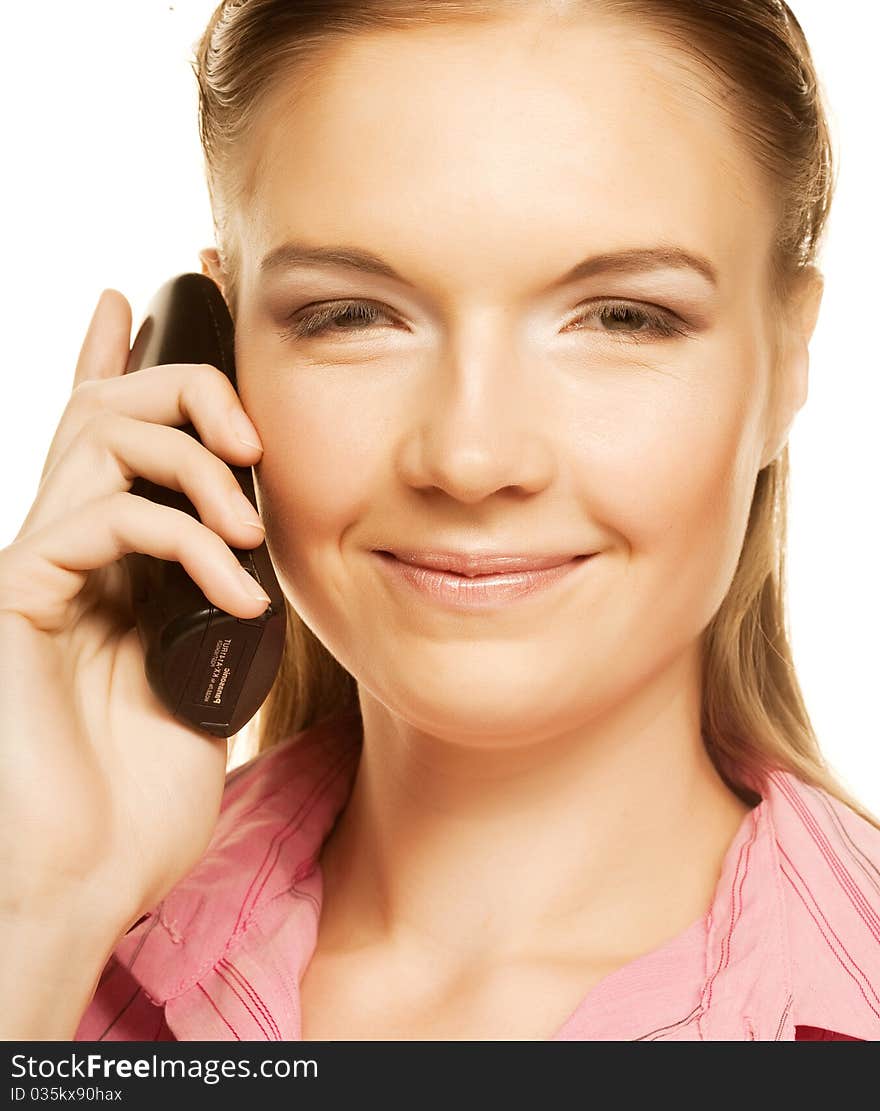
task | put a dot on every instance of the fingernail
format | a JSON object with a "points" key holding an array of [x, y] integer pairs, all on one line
{"points": [[244, 429], [246, 512], [252, 587]]}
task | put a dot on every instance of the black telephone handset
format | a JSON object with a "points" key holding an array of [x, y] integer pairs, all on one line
{"points": [[211, 669]]}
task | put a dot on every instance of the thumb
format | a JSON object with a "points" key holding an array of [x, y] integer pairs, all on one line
{"points": [[105, 349]]}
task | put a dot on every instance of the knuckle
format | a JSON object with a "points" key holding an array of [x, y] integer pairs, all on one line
{"points": [[119, 502], [203, 385], [85, 396], [214, 378], [95, 428], [208, 373]]}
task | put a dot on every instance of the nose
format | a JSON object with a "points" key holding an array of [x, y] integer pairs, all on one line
{"points": [[479, 428]]}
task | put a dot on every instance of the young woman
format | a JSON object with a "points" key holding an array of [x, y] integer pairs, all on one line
{"points": [[523, 294]]}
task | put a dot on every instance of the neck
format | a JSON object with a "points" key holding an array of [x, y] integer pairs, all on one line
{"points": [[606, 838]]}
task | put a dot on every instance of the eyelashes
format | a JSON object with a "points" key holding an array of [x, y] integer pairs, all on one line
{"points": [[652, 324], [325, 318], [330, 320]]}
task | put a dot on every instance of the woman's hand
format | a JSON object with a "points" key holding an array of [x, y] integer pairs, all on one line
{"points": [[106, 801]]}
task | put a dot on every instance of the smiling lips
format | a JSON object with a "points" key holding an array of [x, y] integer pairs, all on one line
{"points": [[482, 563], [467, 581]]}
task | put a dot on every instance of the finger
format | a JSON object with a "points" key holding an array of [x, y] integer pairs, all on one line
{"points": [[168, 394], [113, 450], [41, 574], [106, 347]]}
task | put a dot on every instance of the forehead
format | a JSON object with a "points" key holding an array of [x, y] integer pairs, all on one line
{"points": [[503, 137]]}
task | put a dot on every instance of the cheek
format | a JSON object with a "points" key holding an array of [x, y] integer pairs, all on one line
{"points": [[320, 451], [671, 474], [678, 460]]}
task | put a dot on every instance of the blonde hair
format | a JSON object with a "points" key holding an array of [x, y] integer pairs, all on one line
{"points": [[755, 53]]}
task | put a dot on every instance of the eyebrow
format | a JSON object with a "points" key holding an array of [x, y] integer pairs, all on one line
{"points": [[635, 260]]}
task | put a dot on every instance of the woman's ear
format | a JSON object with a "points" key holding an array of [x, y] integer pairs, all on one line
{"points": [[790, 392], [807, 300], [212, 267]]}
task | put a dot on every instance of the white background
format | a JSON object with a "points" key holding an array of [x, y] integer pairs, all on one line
{"points": [[104, 186]]}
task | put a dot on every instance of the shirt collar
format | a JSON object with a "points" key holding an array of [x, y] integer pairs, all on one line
{"points": [[791, 935]]}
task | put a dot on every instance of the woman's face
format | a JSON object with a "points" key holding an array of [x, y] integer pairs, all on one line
{"points": [[484, 402]]}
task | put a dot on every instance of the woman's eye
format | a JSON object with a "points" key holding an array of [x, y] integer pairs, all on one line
{"points": [[342, 317], [630, 322], [617, 318]]}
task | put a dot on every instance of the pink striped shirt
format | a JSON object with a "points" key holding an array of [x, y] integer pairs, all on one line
{"points": [[788, 950]]}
